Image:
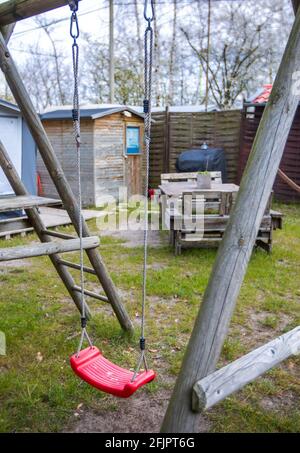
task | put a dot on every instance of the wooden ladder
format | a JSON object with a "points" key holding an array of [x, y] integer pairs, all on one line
{"points": [[49, 244]]}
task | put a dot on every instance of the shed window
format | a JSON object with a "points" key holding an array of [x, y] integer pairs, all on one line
{"points": [[133, 145]]}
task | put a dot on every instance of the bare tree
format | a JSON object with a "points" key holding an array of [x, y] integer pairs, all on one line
{"points": [[172, 54]]}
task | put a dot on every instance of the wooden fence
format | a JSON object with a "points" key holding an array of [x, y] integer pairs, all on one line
{"points": [[290, 163], [174, 132]]}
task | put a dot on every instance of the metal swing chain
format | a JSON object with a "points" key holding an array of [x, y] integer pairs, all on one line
{"points": [[148, 41], [74, 32]]}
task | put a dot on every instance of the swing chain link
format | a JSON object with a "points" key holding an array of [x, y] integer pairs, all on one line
{"points": [[149, 15], [75, 32]]}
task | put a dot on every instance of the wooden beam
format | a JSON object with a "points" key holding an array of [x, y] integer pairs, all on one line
{"points": [[38, 225], [233, 256], [7, 31], [58, 234], [217, 386], [296, 4], [16, 10], [63, 188]]}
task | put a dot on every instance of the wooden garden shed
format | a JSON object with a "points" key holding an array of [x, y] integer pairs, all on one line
{"points": [[112, 151]]}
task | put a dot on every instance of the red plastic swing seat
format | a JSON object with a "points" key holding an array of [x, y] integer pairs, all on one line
{"points": [[97, 371]]}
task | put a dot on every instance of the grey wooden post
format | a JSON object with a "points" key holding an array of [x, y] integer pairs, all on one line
{"points": [[220, 298], [62, 186]]}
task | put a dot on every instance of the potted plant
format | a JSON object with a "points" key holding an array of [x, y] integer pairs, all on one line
{"points": [[203, 180]]}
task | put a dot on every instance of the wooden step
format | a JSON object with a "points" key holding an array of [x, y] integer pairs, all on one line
{"points": [[91, 294], [75, 266], [47, 248], [14, 203]]}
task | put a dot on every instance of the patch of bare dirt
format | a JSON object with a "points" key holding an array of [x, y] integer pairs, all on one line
{"points": [[142, 413], [136, 238], [263, 332], [280, 403]]}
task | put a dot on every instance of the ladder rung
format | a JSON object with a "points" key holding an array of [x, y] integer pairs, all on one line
{"points": [[47, 248], [91, 294], [58, 234], [86, 269]]}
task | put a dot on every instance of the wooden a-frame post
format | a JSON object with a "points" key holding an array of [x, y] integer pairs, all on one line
{"points": [[52, 164], [232, 260]]}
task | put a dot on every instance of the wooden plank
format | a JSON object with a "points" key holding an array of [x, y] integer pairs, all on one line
{"points": [[215, 313], [16, 10], [49, 248], [63, 188], [25, 202], [224, 382], [296, 4]]}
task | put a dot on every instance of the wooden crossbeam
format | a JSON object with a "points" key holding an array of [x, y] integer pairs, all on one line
{"points": [[60, 181], [16, 10], [224, 382], [47, 248], [36, 222]]}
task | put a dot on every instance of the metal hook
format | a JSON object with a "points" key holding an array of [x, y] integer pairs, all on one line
{"points": [[74, 5], [74, 27], [149, 17]]}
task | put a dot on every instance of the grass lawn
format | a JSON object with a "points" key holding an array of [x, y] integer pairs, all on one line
{"points": [[38, 391]]}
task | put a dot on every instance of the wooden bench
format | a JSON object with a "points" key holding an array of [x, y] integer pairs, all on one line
{"points": [[201, 218], [216, 176]]}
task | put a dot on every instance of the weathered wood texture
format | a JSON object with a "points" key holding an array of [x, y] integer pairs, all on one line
{"points": [[7, 31], [36, 222], [12, 203], [190, 130], [16, 10], [290, 162], [233, 256], [50, 248], [217, 386], [52, 163]]}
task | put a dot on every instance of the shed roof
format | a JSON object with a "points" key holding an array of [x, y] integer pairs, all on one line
{"points": [[92, 112], [262, 96]]}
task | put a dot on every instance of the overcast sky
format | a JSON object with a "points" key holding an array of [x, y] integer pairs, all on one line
{"points": [[93, 16]]}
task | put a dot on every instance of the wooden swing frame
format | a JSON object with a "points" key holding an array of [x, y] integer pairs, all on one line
{"points": [[212, 323]]}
